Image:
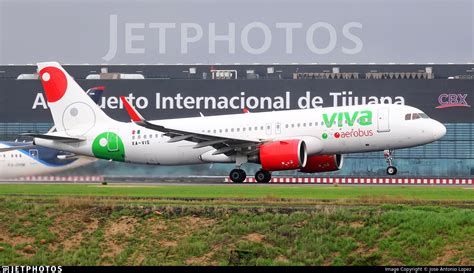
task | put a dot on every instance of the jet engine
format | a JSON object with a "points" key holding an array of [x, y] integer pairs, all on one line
{"points": [[283, 155], [323, 163]]}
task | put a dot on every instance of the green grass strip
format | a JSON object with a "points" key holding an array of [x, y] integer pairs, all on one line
{"points": [[246, 191]]}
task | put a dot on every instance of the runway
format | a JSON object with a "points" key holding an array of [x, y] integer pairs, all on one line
{"points": [[222, 180], [217, 182]]}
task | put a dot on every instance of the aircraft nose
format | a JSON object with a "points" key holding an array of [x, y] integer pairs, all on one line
{"points": [[439, 130]]}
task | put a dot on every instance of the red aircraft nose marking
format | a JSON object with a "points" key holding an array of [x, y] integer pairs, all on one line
{"points": [[54, 83]]}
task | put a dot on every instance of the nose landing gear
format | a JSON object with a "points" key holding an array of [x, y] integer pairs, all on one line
{"points": [[388, 154]]}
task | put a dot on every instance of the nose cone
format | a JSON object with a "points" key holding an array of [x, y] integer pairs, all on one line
{"points": [[439, 130]]}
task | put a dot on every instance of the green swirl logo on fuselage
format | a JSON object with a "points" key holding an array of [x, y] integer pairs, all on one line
{"points": [[108, 145]]}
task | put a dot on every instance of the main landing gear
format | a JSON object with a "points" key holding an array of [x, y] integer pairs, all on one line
{"points": [[388, 154], [239, 175], [263, 176]]}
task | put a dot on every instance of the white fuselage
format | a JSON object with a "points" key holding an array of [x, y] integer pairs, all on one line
{"points": [[340, 130]]}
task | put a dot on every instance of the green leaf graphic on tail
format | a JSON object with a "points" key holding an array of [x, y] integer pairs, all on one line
{"points": [[108, 145]]}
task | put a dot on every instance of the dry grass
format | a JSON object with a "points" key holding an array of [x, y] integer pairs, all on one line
{"points": [[76, 202]]}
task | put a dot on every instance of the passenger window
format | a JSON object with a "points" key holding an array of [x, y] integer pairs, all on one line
{"points": [[408, 117], [310, 124], [315, 123]]}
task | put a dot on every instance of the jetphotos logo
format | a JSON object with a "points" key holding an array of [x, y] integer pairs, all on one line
{"points": [[452, 100]]}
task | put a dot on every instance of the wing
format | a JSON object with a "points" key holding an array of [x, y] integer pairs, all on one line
{"points": [[222, 144]]}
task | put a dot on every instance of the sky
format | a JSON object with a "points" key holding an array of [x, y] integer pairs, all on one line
{"points": [[236, 31]]}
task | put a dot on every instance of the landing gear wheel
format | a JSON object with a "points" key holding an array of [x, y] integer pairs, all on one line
{"points": [[388, 154], [237, 175], [391, 170], [263, 176]]}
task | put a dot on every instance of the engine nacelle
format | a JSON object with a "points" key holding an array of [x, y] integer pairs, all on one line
{"points": [[323, 163], [283, 155]]}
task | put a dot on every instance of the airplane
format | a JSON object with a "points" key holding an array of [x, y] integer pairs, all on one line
{"points": [[308, 140], [19, 159], [35, 160]]}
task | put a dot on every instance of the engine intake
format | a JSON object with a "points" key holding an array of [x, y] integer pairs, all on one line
{"points": [[283, 155], [323, 163]]}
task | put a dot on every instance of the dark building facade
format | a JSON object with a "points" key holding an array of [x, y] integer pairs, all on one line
{"points": [[444, 92]]}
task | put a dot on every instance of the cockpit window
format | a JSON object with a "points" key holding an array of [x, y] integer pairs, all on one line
{"points": [[423, 115], [414, 116]]}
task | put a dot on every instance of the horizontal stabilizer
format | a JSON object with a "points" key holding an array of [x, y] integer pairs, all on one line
{"points": [[55, 138]]}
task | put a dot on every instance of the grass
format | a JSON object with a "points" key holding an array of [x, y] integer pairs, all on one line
{"points": [[246, 191], [235, 225], [35, 232]]}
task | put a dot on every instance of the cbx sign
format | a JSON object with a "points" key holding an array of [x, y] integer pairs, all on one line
{"points": [[452, 100]]}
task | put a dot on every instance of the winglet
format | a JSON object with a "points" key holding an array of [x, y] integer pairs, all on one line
{"points": [[134, 115]]}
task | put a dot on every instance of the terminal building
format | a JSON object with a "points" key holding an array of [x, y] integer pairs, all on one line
{"points": [[443, 91]]}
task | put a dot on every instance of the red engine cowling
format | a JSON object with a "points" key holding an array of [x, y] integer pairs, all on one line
{"points": [[283, 155], [323, 163]]}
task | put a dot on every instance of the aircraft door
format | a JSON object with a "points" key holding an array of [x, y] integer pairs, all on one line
{"points": [[278, 128], [383, 120], [34, 153]]}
